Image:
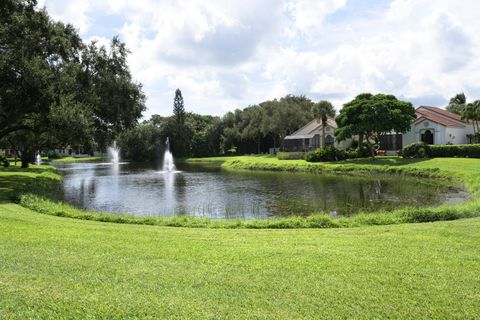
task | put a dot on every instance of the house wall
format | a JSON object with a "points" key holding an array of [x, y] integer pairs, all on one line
{"points": [[456, 135], [414, 135], [469, 129]]}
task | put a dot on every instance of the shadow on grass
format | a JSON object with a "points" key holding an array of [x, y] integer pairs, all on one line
{"points": [[12, 185]]}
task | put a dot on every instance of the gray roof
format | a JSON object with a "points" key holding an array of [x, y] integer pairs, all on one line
{"points": [[298, 137]]}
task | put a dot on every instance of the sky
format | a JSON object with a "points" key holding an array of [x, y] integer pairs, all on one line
{"points": [[227, 54]]}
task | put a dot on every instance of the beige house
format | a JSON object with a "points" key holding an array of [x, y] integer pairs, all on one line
{"points": [[310, 137]]}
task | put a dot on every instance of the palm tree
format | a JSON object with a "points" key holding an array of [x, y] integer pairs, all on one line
{"points": [[323, 110], [472, 113], [457, 103]]}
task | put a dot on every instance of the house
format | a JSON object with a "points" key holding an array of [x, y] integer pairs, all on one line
{"points": [[438, 126], [310, 137], [432, 125]]}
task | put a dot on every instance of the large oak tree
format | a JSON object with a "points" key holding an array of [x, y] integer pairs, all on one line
{"points": [[369, 116]]}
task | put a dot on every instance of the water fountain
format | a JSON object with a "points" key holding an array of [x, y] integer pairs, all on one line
{"points": [[38, 159], [114, 153], [168, 164]]}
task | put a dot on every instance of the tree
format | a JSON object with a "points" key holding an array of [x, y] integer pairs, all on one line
{"points": [[457, 103], [182, 133], [283, 117], [106, 84], [178, 108], [370, 116], [323, 110], [471, 113], [54, 89], [142, 143]]}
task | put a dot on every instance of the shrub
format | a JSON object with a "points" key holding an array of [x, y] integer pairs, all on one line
{"points": [[422, 150], [4, 162], [290, 155], [53, 155], [461, 151], [417, 150], [354, 153], [328, 153]]}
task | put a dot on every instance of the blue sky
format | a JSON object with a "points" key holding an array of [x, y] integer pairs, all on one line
{"points": [[230, 54]]}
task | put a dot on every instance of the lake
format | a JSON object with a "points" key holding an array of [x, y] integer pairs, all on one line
{"points": [[206, 191]]}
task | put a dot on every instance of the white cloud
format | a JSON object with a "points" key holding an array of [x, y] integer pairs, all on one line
{"points": [[74, 12], [227, 54]]}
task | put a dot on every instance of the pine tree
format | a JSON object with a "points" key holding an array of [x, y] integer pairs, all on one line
{"points": [[182, 134], [178, 108]]}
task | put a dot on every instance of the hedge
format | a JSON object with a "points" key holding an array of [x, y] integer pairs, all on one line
{"points": [[422, 150]]}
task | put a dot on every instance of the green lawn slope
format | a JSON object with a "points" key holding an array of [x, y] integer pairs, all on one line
{"points": [[57, 268]]}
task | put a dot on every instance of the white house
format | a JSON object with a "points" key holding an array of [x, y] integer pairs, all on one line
{"points": [[433, 126], [438, 126]]}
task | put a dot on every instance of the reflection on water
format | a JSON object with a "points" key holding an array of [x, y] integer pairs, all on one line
{"points": [[209, 192]]}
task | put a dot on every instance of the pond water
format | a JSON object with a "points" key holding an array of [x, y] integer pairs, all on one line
{"points": [[203, 191]]}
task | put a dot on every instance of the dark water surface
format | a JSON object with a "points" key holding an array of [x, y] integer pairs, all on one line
{"points": [[204, 191]]}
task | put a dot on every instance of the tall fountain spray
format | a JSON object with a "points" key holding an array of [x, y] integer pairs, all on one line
{"points": [[114, 153], [38, 158], [168, 164]]}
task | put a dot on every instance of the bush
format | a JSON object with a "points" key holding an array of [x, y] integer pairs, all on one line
{"points": [[422, 150], [4, 162], [461, 151], [417, 150], [290, 155], [53, 155], [354, 153], [328, 153]]}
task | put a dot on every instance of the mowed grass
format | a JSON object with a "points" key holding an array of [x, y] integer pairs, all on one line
{"points": [[13, 179], [80, 159], [55, 267]]}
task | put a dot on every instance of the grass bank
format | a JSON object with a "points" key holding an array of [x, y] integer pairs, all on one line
{"points": [[65, 268], [467, 170], [80, 159]]}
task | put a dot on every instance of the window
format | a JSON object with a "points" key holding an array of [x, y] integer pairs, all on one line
{"points": [[391, 142], [329, 140]]}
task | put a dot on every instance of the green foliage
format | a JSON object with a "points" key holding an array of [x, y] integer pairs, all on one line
{"points": [[4, 162], [56, 90], [358, 152], [372, 115], [417, 150], [457, 103], [471, 113], [422, 150], [142, 143], [460, 151], [181, 133], [257, 128], [328, 153], [178, 108], [323, 110]]}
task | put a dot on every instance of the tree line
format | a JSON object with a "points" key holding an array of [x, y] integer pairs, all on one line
{"points": [[254, 129]]}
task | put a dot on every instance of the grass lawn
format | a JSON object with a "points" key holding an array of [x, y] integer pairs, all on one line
{"points": [[80, 159], [54, 267]]}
